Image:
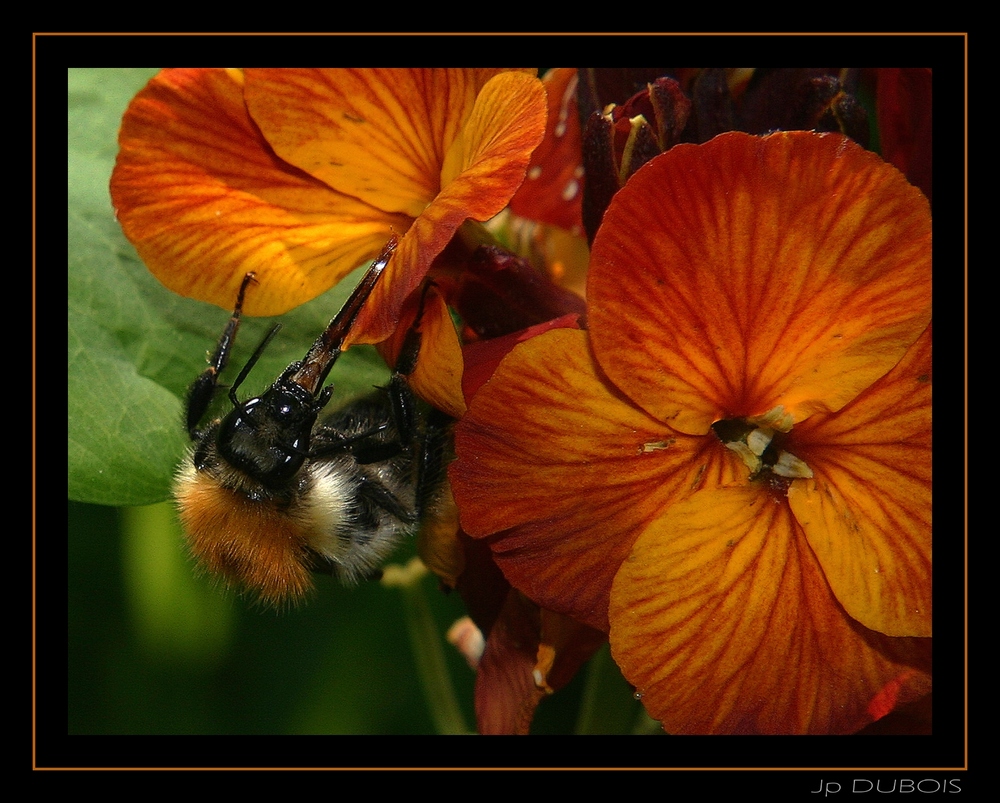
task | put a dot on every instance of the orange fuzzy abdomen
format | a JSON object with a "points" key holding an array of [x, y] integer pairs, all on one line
{"points": [[248, 543]]}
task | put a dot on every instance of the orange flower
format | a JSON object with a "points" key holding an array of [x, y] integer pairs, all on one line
{"points": [[302, 175], [730, 472]]}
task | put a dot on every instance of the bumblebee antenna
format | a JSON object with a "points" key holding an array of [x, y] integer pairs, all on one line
{"points": [[245, 371]]}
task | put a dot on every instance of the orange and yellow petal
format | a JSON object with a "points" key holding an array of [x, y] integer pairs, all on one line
{"points": [[204, 200], [438, 375], [867, 511], [730, 277], [380, 135], [567, 473], [722, 618], [482, 167]]}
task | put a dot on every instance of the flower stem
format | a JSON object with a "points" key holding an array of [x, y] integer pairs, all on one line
{"points": [[608, 705], [426, 642]]}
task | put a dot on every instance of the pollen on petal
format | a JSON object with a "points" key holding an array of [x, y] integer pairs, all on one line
{"points": [[788, 465]]}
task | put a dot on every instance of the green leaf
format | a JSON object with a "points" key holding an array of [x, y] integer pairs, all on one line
{"points": [[134, 346]]}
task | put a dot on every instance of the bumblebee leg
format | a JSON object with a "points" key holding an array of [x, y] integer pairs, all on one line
{"points": [[203, 389], [382, 498], [432, 442], [433, 460], [401, 398]]}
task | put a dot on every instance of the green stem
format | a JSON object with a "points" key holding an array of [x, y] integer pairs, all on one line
{"points": [[608, 704], [427, 645]]}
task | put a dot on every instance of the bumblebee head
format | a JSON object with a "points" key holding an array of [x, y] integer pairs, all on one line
{"points": [[266, 438]]}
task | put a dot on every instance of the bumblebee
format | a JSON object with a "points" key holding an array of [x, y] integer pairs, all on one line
{"points": [[275, 491]]}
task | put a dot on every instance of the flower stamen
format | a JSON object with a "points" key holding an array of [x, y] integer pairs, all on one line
{"points": [[760, 446]]}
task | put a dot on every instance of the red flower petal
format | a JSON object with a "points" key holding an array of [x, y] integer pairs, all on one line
{"points": [[867, 511], [205, 200], [790, 269], [569, 472], [530, 653], [905, 121], [553, 189], [506, 694], [722, 618]]}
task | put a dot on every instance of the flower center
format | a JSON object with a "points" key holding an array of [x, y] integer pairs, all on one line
{"points": [[759, 441]]}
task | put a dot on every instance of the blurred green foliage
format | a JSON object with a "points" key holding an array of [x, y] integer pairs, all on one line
{"points": [[156, 649]]}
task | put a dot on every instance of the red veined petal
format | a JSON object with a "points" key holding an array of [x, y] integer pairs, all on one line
{"points": [[567, 473], [205, 200], [867, 510], [483, 167], [722, 619], [790, 269]]}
